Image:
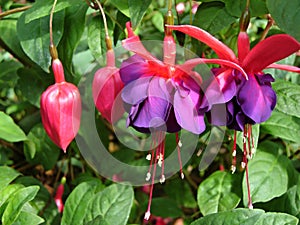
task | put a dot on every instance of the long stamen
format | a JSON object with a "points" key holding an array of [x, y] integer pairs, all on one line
{"points": [[162, 154], [233, 166], [245, 165], [179, 145], [148, 213]]}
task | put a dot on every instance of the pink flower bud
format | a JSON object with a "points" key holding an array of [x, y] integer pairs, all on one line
{"points": [[195, 7], [58, 198], [106, 87], [180, 7], [61, 109]]}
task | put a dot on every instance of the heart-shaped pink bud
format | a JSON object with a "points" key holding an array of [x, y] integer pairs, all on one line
{"points": [[106, 87], [61, 109]]}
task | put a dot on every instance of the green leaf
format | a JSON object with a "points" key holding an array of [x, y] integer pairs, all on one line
{"points": [[42, 8], [286, 15], [28, 218], [212, 17], [8, 31], [268, 175], [282, 125], [180, 190], [158, 21], [36, 42], [165, 207], [74, 23], [246, 217], [76, 205], [7, 175], [215, 193], [108, 203], [118, 32], [10, 131], [99, 220], [121, 5], [137, 9], [32, 84], [287, 203], [8, 76], [96, 37], [288, 97], [39, 149], [17, 202], [6, 194], [257, 7]]}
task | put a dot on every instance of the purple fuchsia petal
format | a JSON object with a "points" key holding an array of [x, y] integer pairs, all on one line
{"points": [[222, 50], [222, 88], [268, 51], [256, 100], [136, 91], [186, 111], [133, 68], [154, 110]]}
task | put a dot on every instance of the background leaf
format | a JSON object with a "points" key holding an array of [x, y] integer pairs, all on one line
{"points": [[33, 83], [96, 37], [285, 15], [17, 202], [42, 8], [282, 125], [36, 42], [215, 193], [268, 175], [74, 24], [212, 17], [108, 203], [76, 205], [246, 217], [7, 175], [288, 97], [137, 10], [10, 131]]}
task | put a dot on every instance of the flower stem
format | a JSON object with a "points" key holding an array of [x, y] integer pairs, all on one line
{"points": [[16, 10], [169, 5], [268, 27], [107, 38]]}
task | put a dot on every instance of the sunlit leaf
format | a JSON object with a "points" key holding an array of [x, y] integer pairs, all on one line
{"points": [[215, 193], [10, 131]]}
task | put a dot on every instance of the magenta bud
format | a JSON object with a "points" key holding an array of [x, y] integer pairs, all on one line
{"points": [[58, 197], [106, 87], [61, 109]]}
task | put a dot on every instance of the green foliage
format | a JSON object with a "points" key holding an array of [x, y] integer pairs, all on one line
{"points": [[215, 194], [285, 15], [10, 131]]}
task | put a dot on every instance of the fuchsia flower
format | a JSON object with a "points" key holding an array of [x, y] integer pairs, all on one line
{"points": [[251, 100], [58, 198], [106, 87], [61, 108], [162, 96]]}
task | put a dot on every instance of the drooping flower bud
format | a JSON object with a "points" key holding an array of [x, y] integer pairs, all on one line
{"points": [[106, 87], [58, 195], [61, 108]]}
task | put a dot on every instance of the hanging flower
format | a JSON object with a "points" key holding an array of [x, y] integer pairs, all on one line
{"points": [[61, 108], [106, 87], [161, 96], [249, 99]]}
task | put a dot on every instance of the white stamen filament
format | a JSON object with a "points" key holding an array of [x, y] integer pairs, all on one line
{"points": [[148, 157], [243, 164], [147, 215], [148, 176], [162, 179]]}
